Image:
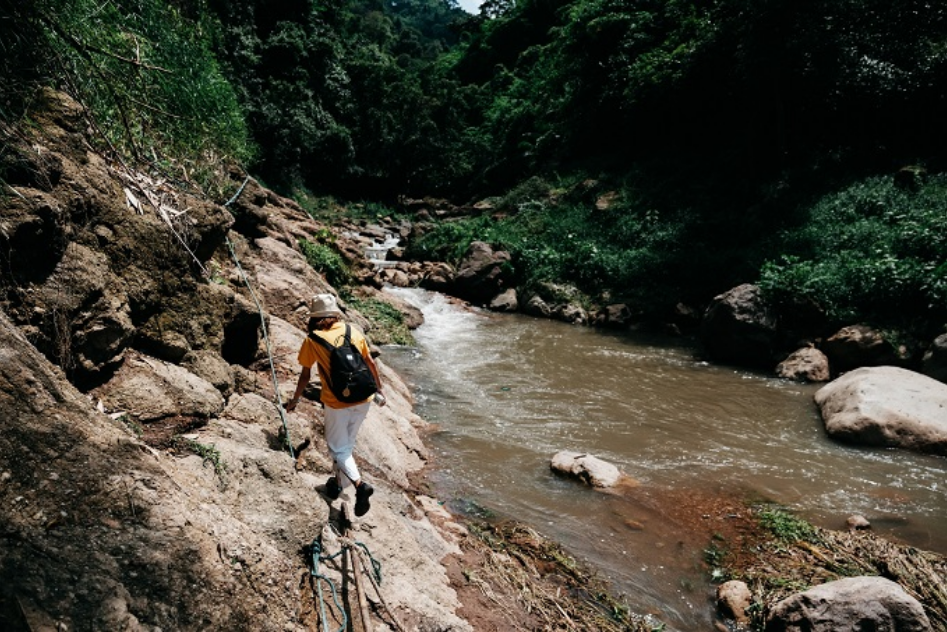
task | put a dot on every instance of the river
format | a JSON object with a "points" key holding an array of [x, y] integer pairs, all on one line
{"points": [[508, 391]]}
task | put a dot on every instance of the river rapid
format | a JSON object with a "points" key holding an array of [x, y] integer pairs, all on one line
{"points": [[508, 391]]}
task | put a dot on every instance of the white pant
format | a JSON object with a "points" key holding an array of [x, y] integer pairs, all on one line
{"points": [[341, 426]]}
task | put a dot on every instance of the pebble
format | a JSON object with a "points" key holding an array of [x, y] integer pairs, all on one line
{"points": [[857, 523]]}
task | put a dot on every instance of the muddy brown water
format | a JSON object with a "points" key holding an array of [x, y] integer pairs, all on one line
{"points": [[509, 391]]}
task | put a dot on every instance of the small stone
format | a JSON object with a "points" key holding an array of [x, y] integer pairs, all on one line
{"points": [[857, 523]]}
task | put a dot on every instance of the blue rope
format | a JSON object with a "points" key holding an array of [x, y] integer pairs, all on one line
{"points": [[266, 338], [317, 557], [376, 565], [239, 191]]}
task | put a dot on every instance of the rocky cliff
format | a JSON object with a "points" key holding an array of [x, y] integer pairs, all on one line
{"points": [[144, 481]]}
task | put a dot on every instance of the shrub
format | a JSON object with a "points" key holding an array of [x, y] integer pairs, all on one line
{"points": [[145, 73], [871, 250], [325, 260], [786, 526], [387, 323]]}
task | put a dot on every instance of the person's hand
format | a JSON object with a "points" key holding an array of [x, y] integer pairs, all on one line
{"points": [[291, 405], [380, 399]]}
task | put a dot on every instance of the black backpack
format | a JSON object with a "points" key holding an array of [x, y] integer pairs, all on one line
{"points": [[350, 379]]}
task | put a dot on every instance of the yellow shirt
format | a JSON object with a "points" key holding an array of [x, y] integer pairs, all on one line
{"points": [[312, 353]]}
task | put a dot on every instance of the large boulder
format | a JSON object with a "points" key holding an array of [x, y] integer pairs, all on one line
{"points": [[482, 273], [856, 346], [739, 327], [854, 603], [886, 406]]}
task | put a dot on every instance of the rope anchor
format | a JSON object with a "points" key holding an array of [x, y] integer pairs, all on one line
{"points": [[360, 557]]}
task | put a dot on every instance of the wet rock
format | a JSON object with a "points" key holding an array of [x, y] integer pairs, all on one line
{"points": [[805, 365], [437, 276], [571, 313], [395, 277], [505, 302], [733, 601], [536, 306], [587, 468], [615, 315], [854, 603], [413, 317], [739, 327], [886, 406], [856, 346], [482, 273], [935, 359]]}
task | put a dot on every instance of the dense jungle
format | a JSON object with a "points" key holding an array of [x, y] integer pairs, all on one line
{"points": [[795, 146]]}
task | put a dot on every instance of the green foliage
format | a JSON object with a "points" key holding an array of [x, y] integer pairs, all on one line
{"points": [[145, 73], [326, 260], [785, 526], [872, 249], [209, 453], [628, 249], [387, 323], [343, 97]]}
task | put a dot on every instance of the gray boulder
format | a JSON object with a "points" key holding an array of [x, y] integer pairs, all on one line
{"points": [[886, 406], [856, 346], [739, 327], [805, 365], [481, 274], [505, 302], [211, 367], [617, 315], [536, 306], [854, 603], [585, 467]]}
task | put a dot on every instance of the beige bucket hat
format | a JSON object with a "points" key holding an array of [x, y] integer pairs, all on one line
{"points": [[323, 305]]}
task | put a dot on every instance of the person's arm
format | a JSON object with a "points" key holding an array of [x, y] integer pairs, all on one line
{"points": [[301, 384], [374, 369]]}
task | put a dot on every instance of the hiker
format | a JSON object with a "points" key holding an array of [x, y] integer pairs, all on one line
{"points": [[342, 418]]}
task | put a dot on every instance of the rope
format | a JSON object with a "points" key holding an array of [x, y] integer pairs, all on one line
{"points": [[266, 338], [374, 576], [376, 565], [317, 557]]}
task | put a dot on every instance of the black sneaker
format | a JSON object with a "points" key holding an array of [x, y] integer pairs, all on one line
{"points": [[362, 494], [332, 489]]}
